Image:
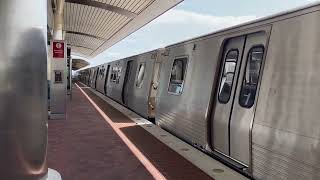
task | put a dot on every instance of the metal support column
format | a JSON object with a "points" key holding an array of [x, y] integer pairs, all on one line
{"points": [[23, 89], [59, 71], [58, 83]]}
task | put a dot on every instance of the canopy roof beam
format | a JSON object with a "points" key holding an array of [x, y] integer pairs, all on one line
{"points": [[85, 34], [72, 45], [104, 6]]}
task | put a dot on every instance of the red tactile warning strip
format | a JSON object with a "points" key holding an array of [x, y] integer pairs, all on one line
{"points": [[85, 147]]}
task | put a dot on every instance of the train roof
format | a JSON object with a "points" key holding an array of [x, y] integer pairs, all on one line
{"points": [[252, 23]]}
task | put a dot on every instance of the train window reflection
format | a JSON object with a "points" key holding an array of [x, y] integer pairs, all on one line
{"points": [[227, 77], [140, 76], [115, 74], [251, 77], [177, 75], [101, 73]]}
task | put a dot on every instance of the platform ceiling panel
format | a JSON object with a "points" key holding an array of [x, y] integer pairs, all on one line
{"points": [[78, 64], [81, 51], [84, 41], [92, 26]]}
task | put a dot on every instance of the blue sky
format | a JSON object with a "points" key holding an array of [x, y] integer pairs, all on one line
{"points": [[192, 18]]}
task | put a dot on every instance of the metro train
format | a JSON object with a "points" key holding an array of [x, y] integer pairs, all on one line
{"points": [[247, 95]]}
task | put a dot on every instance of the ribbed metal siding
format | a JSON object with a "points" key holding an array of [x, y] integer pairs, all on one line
{"points": [[269, 164], [191, 129]]}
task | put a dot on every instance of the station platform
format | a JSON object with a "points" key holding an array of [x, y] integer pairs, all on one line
{"points": [[101, 140]]}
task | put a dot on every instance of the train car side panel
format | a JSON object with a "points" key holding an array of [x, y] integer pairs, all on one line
{"points": [[140, 83], [184, 110], [116, 84], [100, 78], [286, 133]]}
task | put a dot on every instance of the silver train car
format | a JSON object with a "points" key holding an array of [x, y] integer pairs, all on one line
{"points": [[131, 81], [247, 95]]}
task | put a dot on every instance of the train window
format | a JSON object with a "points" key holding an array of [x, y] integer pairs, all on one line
{"points": [[113, 76], [226, 81], [101, 72], [140, 75], [117, 74], [251, 77], [178, 72]]}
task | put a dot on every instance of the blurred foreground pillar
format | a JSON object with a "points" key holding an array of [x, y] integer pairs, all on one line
{"points": [[23, 89]]}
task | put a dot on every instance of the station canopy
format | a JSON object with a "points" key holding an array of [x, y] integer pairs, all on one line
{"points": [[78, 63], [92, 26]]}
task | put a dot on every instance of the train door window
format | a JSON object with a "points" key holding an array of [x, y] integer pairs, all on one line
{"points": [[251, 77], [118, 75], [177, 77], [140, 76], [111, 76], [114, 74], [226, 81], [101, 72]]}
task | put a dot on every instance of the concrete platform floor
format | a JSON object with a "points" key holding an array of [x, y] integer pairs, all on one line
{"points": [[99, 143]]}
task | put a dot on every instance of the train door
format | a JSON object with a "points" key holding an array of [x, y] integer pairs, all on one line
{"points": [[126, 87], [236, 95], [154, 89], [106, 80], [93, 77], [89, 77], [96, 77]]}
